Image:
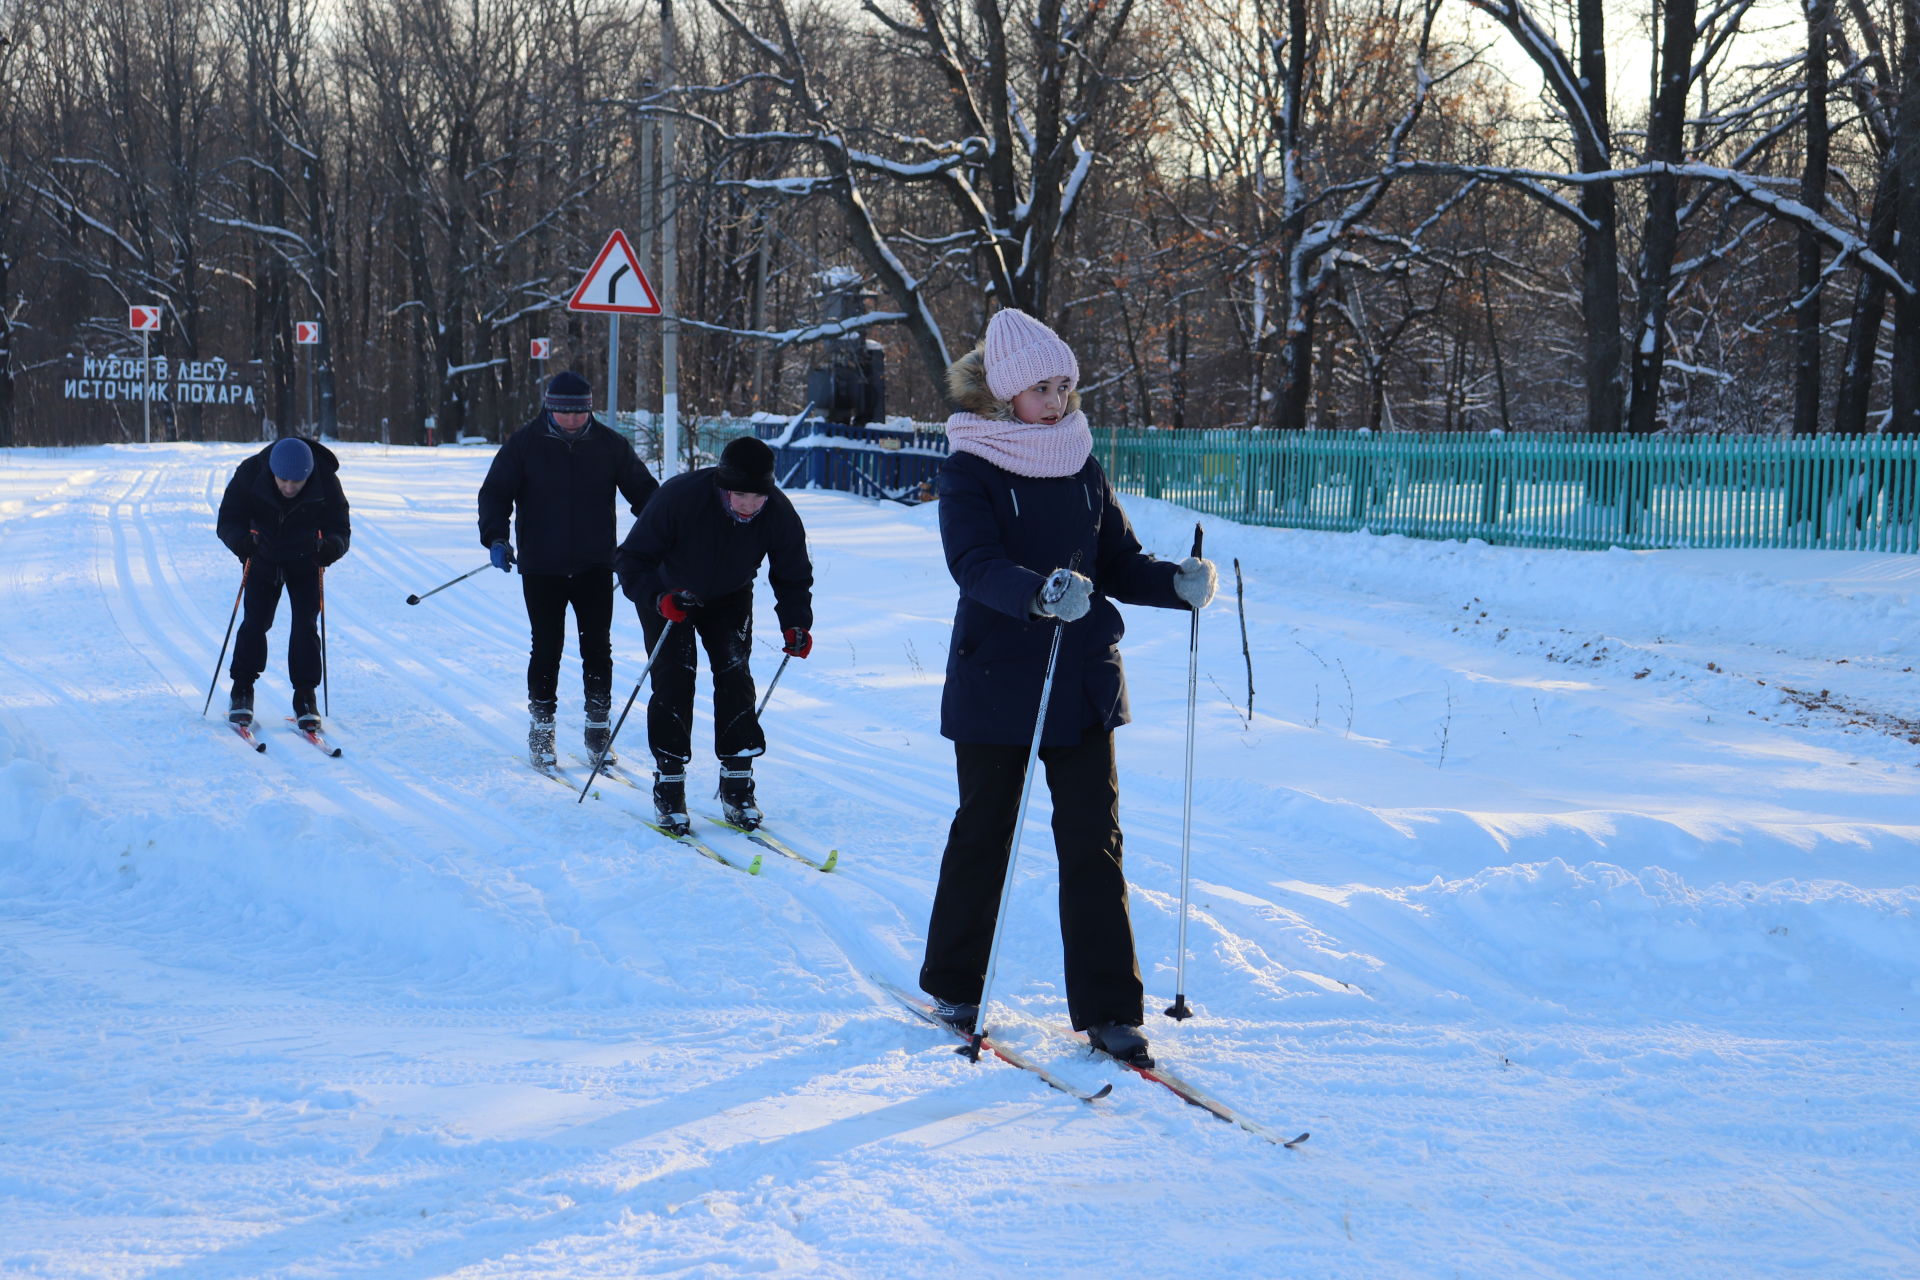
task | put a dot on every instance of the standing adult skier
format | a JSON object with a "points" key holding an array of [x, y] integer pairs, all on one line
{"points": [[285, 516], [691, 559], [1020, 497], [555, 479]]}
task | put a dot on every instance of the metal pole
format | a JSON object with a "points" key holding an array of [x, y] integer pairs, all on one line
{"points": [[146, 403], [310, 427], [1179, 1010], [658, 647], [221, 661], [326, 695], [762, 708], [613, 371], [669, 264], [443, 586]]}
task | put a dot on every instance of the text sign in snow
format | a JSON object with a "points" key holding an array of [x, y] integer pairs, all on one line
{"points": [[538, 348], [143, 319], [306, 333], [616, 283], [166, 382]]}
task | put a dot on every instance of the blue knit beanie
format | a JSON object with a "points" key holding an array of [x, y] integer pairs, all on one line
{"points": [[291, 459]]}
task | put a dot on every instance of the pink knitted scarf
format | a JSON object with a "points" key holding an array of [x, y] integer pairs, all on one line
{"points": [[1024, 448]]}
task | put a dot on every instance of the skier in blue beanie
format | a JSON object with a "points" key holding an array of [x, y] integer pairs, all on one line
{"points": [[285, 516]]}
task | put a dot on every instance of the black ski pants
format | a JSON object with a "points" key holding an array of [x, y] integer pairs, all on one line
{"points": [[725, 628], [261, 600], [548, 596], [1103, 976]]}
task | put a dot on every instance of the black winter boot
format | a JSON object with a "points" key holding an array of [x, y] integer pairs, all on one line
{"points": [[306, 710], [599, 738], [1118, 1040], [540, 734], [240, 704], [736, 793], [670, 802], [961, 1015]]}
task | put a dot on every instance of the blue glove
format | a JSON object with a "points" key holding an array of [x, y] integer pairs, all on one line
{"points": [[502, 555]]}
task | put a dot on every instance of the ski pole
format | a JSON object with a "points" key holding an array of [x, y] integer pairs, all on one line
{"points": [[326, 695], [221, 661], [761, 709], [443, 586], [600, 758], [1179, 1010], [1055, 588]]}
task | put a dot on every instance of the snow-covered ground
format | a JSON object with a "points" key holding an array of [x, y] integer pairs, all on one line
{"points": [[1569, 899]]}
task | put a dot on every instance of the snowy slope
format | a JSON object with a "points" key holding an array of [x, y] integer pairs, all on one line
{"points": [[1568, 898]]}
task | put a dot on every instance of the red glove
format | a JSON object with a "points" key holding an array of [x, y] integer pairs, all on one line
{"points": [[673, 605], [799, 642]]}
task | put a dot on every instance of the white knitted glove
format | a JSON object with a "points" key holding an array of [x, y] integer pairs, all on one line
{"points": [[1070, 607], [1195, 581]]}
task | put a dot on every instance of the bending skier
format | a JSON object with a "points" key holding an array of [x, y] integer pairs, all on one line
{"points": [[691, 559], [1021, 496], [555, 479], [285, 516]]}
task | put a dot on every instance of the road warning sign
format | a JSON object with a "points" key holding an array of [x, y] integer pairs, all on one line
{"points": [[143, 319], [306, 333], [616, 283], [539, 348]]}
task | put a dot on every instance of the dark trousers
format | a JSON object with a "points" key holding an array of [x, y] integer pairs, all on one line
{"points": [[261, 600], [1103, 977], [548, 596], [725, 628]]}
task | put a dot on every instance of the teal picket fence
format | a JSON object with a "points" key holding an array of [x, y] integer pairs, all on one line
{"points": [[1571, 491]]}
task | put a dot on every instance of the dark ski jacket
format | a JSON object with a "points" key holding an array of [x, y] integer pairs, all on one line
{"points": [[289, 528], [559, 495], [687, 540], [1003, 534]]}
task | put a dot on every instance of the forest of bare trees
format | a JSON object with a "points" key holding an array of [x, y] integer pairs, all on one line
{"points": [[1290, 214]]}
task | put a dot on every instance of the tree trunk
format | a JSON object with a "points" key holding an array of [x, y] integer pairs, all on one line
{"points": [[1905, 386], [1813, 194], [1600, 256], [1666, 140], [1869, 309]]}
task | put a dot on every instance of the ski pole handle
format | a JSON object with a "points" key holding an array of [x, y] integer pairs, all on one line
{"points": [[1054, 589], [1197, 538]]}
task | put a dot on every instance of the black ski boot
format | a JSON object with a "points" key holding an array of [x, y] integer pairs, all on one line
{"points": [[1119, 1040], [961, 1015], [736, 793], [599, 738], [670, 802], [306, 710], [240, 704], [540, 734]]}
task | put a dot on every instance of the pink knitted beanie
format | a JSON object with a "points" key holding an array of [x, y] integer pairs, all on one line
{"points": [[1021, 351]]}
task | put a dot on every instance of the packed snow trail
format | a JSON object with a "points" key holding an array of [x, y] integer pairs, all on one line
{"points": [[1568, 898]]}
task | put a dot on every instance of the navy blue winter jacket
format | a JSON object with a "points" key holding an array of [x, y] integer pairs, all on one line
{"points": [[287, 529], [559, 495], [1003, 533]]}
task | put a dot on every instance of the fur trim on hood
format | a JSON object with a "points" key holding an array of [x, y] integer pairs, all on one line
{"points": [[967, 387]]}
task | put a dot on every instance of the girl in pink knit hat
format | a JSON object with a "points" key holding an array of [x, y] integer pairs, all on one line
{"points": [[1020, 497]]}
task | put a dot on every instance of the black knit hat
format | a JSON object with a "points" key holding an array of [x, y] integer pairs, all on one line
{"points": [[568, 392], [746, 466]]}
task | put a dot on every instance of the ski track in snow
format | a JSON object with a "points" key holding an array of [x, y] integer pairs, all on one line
{"points": [[1582, 948]]}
